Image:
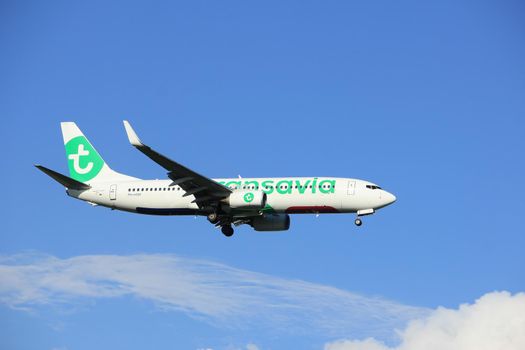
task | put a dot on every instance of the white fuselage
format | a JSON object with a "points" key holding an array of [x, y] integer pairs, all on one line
{"points": [[293, 195]]}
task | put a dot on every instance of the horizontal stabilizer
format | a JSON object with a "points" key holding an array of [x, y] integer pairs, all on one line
{"points": [[63, 179]]}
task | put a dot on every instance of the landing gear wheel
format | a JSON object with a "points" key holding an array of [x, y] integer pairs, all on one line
{"points": [[358, 222], [213, 218], [227, 231]]}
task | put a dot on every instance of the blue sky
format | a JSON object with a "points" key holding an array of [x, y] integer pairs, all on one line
{"points": [[427, 100]]}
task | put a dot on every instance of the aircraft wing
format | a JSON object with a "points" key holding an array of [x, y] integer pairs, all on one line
{"points": [[203, 188]]}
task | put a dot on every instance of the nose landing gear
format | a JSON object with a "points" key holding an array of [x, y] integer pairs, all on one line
{"points": [[362, 212]]}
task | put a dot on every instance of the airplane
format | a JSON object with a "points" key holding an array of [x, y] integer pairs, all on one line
{"points": [[263, 203]]}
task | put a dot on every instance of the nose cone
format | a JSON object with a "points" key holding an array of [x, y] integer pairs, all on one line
{"points": [[388, 198]]}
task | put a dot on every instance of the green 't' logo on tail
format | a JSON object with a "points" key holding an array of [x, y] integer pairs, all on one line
{"points": [[83, 161]]}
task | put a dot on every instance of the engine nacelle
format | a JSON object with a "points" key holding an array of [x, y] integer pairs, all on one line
{"points": [[271, 222], [247, 199]]}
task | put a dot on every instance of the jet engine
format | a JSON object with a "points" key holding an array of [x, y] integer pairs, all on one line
{"points": [[247, 199], [271, 222]]}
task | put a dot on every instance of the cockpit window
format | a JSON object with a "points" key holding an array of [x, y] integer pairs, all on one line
{"points": [[373, 187]]}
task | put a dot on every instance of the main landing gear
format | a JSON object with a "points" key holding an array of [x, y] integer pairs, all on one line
{"points": [[213, 218], [358, 222], [227, 230], [222, 221]]}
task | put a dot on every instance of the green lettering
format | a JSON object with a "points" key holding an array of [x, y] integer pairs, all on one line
{"points": [[302, 187], [251, 183], [287, 189], [269, 184], [236, 184], [331, 186], [314, 185]]}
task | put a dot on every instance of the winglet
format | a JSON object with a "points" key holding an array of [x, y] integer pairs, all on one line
{"points": [[132, 135]]}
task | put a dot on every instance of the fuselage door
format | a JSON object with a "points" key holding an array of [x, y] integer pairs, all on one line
{"points": [[351, 187], [113, 192]]}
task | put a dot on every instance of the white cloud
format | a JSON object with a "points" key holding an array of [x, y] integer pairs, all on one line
{"points": [[252, 346], [495, 321], [367, 344], [214, 292]]}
